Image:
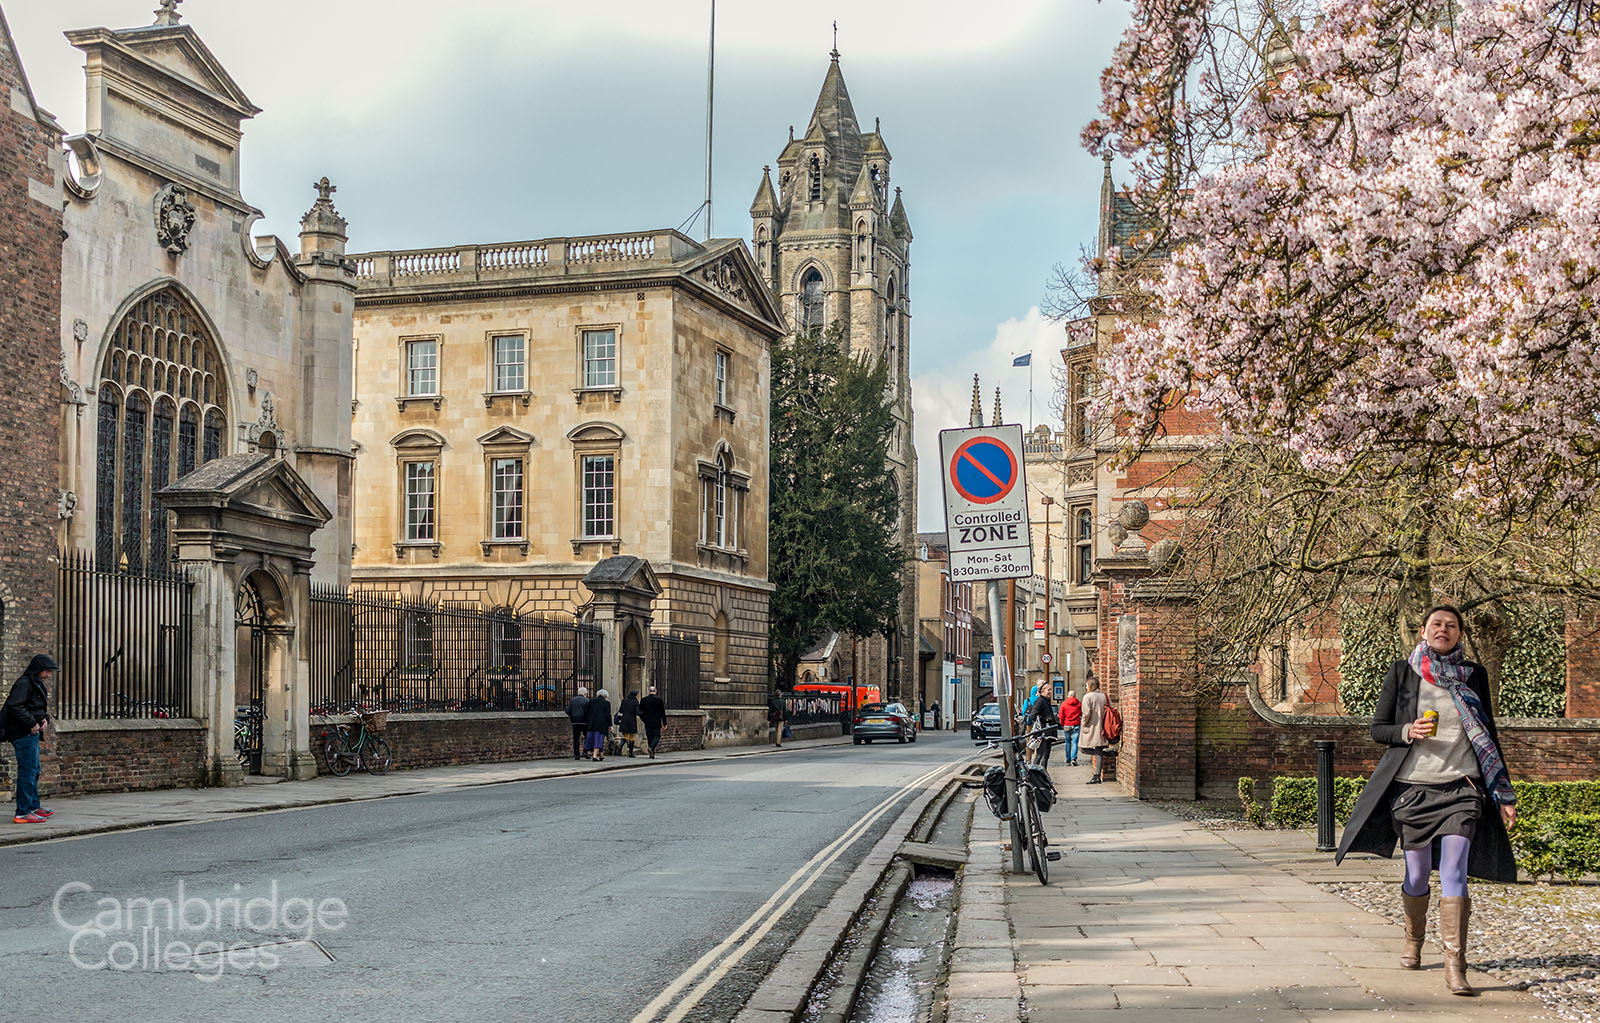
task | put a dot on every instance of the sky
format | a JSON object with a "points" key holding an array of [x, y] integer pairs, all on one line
{"points": [[498, 120]]}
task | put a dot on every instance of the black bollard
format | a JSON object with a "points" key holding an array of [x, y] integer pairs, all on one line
{"points": [[1324, 795]]}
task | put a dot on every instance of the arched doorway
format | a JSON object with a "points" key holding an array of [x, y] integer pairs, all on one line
{"points": [[632, 662], [249, 676]]}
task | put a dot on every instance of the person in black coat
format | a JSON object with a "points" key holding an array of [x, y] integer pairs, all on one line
{"points": [[22, 723], [578, 714], [628, 719], [599, 725], [653, 712], [777, 713], [1042, 714], [1441, 790]]}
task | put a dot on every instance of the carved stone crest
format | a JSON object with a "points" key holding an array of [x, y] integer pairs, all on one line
{"points": [[266, 426], [724, 276], [66, 501], [174, 217], [74, 392]]}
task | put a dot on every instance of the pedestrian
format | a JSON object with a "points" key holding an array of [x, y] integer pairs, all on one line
{"points": [[23, 723], [599, 725], [653, 712], [1071, 718], [1093, 708], [578, 713], [1042, 714], [628, 719], [775, 717], [938, 720], [1441, 789]]}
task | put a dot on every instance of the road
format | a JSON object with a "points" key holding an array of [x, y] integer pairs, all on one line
{"points": [[576, 898]]}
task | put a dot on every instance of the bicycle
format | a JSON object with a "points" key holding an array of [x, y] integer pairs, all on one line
{"points": [[367, 747], [1036, 793]]}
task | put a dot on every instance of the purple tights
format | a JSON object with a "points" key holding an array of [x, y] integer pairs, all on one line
{"points": [[1453, 851]]}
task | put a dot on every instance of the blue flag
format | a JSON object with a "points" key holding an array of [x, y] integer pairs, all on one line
{"points": [[1023, 360]]}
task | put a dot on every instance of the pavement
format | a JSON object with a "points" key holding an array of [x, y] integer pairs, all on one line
{"points": [[1151, 917], [118, 811]]}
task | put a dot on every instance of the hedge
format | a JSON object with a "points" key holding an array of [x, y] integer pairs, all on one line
{"points": [[1557, 831]]}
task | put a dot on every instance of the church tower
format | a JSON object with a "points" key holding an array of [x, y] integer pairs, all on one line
{"points": [[833, 242]]}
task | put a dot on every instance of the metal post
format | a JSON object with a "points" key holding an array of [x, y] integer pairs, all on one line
{"points": [[1007, 707], [1324, 795], [1049, 601]]}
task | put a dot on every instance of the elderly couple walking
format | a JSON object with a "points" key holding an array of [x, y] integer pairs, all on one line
{"points": [[592, 720]]}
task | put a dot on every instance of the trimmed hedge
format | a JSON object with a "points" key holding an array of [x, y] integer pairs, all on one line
{"points": [[1557, 831]]}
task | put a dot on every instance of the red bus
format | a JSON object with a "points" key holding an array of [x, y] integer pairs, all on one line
{"points": [[862, 694]]}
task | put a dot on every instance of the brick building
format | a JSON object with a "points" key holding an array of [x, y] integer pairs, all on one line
{"points": [[31, 196]]}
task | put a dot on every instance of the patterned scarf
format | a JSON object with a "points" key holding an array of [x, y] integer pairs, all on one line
{"points": [[1450, 672]]}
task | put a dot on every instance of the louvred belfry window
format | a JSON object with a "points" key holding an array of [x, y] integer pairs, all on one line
{"points": [[163, 411]]}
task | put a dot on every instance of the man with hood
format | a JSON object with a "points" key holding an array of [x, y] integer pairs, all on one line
{"points": [[22, 723]]}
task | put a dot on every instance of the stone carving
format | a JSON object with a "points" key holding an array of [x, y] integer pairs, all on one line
{"points": [[323, 217], [1134, 515], [1116, 534], [1128, 650], [724, 276], [250, 379], [66, 501], [1080, 473], [80, 331], [1165, 554], [167, 13], [74, 392], [266, 425], [174, 217]]}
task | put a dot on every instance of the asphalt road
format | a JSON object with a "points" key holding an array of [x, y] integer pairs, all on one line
{"points": [[562, 899]]}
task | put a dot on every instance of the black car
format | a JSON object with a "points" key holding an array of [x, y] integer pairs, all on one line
{"points": [[884, 721], [986, 723]]}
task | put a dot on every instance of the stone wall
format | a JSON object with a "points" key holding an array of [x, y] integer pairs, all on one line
{"points": [[84, 757], [31, 414]]}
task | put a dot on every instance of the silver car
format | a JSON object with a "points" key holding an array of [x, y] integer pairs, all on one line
{"points": [[884, 721]]}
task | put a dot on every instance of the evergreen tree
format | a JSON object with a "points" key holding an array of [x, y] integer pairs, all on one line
{"points": [[833, 559]]}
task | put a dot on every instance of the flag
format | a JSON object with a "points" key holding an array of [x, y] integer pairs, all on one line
{"points": [[1023, 360]]}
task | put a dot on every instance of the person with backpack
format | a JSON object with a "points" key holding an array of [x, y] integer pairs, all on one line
{"points": [[1042, 714], [1094, 720]]}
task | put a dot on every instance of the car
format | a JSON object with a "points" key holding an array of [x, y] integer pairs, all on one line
{"points": [[884, 721], [986, 723]]}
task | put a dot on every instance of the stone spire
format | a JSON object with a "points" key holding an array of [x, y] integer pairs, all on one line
{"points": [[167, 13], [975, 417], [322, 229], [1108, 192], [898, 221], [766, 200], [998, 419], [833, 117]]}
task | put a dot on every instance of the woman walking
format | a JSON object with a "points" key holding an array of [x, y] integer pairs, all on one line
{"points": [[599, 725], [1093, 710], [628, 719], [1441, 789]]}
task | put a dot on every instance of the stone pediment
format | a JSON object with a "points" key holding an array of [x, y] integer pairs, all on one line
{"points": [[506, 437], [623, 572], [252, 483], [731, 273], [173, 51]]}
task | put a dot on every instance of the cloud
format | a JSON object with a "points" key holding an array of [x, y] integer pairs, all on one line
{"points": [[942, 398]]}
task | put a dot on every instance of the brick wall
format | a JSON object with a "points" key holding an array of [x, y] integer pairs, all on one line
{"points": [[126, 757], [1583, 668], [30, 346], [439, 740]]}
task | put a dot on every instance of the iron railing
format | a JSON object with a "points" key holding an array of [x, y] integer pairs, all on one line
{"points": [[676, 670], [123, 641], [814, 708], [403, 656]]}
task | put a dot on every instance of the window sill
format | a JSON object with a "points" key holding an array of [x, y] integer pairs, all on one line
{"points": [[580, 393], [735, 559], [579, 543], [526, 397], [489, 546], [721, 411], [402, 400], [432, 546]]}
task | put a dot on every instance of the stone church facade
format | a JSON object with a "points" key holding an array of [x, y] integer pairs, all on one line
{"points": [[833, 243]]}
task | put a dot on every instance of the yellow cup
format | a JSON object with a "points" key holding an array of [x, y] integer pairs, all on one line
{"points": [[1433, 718]]}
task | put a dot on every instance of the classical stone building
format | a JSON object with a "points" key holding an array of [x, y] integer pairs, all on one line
{"points": [[30, 238], [946, 658], [833, 244], [204, 371], [527, 409]]}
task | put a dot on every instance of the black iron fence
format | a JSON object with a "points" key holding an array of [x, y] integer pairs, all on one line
{"points": [[123, 641], [402, 656], [676, 670], [814, 708]]}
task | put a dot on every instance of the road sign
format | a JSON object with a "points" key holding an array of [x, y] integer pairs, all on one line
{"points": [[1038, 628], [1045, 658], [986, 670], [986, 503]]}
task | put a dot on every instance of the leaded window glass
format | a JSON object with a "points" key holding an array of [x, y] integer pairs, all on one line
{"points": [[160, 476], [105, 516], [811, 301], [133, 435]]}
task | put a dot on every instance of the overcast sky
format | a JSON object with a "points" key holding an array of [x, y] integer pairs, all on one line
{"points": [[483, 120]]}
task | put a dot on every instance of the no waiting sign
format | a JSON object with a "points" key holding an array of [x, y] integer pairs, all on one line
{"points": [[986, 503]]}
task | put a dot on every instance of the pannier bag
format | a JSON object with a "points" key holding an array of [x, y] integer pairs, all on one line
{"points": [[994, 790], [1044, 790]]}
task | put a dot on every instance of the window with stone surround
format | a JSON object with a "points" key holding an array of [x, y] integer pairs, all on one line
{"points": [[505, 463], [1080, 390], [599, 359], [506, 499], [811, 301], [723, 358], [418, 458], [509, 353], [597, 454], [1084, 546], [599, 496], [723, 492], [420, 526], [422, 368]]}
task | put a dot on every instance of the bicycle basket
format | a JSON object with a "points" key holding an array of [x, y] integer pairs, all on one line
{"points": [[1044, 790], [994, 790], [375, 721]]}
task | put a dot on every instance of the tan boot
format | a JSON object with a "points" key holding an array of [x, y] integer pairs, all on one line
{"points": [[1454, 912], [1416, 907]]}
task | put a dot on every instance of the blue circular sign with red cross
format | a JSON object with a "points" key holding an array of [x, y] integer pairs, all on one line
{"points": [[983, 470]]}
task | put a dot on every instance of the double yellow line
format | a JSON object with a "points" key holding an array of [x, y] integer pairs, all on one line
{"points": [[729, 952]]}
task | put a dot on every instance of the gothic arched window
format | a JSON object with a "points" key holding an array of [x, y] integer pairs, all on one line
{"points": [[891, 349], [816, 178], [811, 311], [162, 403]]}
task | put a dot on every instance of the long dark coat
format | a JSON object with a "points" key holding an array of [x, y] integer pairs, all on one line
{"points": [[1370, 828]]}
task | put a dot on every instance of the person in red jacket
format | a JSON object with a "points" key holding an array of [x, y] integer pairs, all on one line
{"points": [[1071, 725]]}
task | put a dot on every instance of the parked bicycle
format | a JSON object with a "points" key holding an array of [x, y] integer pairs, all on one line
{"points": [[1036, 794], [343, 749]]}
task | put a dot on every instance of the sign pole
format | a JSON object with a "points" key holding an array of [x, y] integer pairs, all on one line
{"points": [[1002, 677]]}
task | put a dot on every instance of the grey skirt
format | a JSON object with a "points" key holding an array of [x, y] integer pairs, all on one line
{"points": [[1422, 813]]}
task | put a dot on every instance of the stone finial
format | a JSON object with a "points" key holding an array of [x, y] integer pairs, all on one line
{"points": [[834, 53], [167, 13], [1134, 515], [975, 417], [322, 226], [997, 420], [325, 189]]}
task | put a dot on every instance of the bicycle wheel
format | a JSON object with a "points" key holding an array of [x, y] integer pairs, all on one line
{"points": [[1036, 839], [375, 756], [336, 754]]}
